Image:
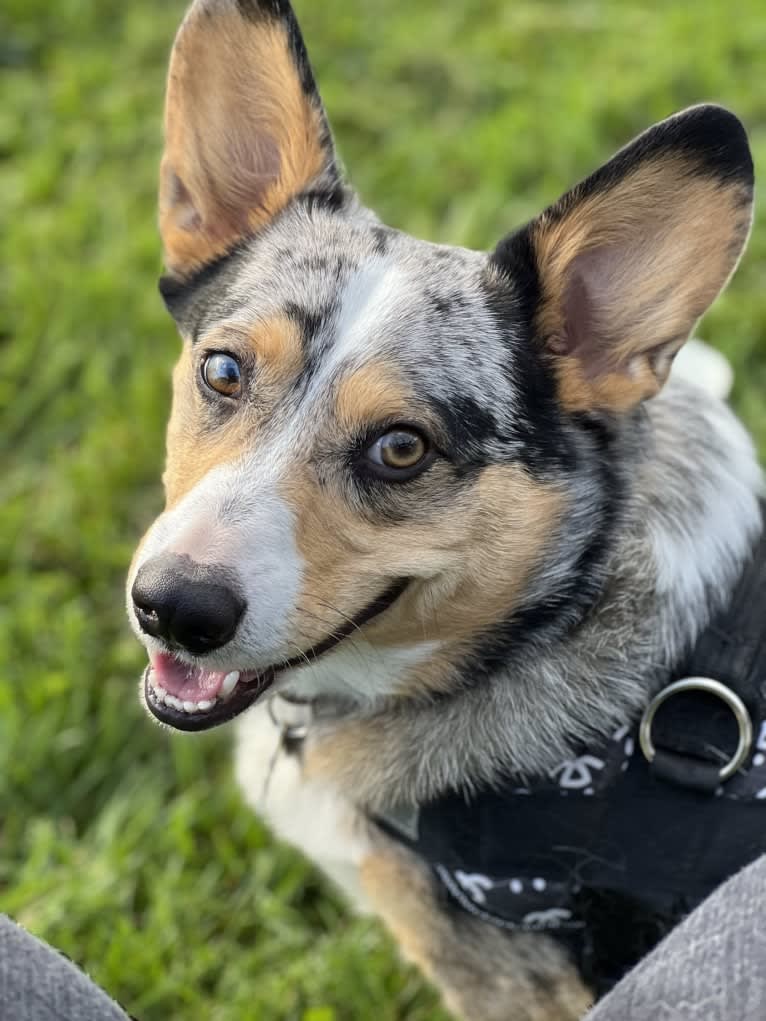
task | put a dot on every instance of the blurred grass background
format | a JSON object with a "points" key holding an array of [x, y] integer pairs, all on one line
{"points": [[126, 847]]}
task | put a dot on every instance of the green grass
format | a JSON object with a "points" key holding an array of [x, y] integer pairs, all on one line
{"points": [[127, 848]]}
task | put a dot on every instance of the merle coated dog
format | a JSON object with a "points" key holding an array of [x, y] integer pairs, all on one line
{"points": [[437, 520]]}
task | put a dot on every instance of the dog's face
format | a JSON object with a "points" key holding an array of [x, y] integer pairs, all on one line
{"points": [[386, 456]]}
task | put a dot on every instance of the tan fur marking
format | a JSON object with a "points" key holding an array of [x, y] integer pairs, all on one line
{"points": [[479, 563], [472, 564], [193, 448], [483, 973], [278, 348], [193, 451], [402, 895], [242, 138], [372, 393], [669, 239]]}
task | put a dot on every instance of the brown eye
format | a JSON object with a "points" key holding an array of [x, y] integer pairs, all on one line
{"points": [[398, 454], [223, 374]]}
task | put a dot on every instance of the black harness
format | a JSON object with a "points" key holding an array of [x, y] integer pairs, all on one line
{"points": [[610, 850]]}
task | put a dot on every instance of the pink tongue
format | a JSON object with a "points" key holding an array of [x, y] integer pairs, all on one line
{"points": [[184, 681]]}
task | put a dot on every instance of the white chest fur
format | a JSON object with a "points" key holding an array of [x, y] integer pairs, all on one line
{"points": [[308, 814]]}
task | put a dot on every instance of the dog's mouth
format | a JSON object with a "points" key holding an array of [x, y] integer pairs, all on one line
{"points": [[191, 698]]}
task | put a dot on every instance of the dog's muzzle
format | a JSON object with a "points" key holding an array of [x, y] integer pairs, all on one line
{"points": [[192, 611]]}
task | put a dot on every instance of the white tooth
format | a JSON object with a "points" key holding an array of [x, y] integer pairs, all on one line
{"points": [[202, 706], [229, 683], [157, 690], [173, 702], [190, 707]]}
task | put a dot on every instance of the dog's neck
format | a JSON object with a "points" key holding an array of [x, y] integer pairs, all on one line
{"points": [[689, 521]]}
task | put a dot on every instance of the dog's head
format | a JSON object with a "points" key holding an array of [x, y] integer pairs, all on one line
{"points": [[385, 455]]}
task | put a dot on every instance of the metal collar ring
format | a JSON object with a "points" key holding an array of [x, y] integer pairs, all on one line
{"points": [[706, 684]]}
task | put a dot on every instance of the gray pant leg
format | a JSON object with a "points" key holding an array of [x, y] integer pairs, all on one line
{"points": [[38, 984], [711, 968]]}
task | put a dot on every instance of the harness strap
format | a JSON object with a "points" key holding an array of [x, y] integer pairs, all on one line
{"points": [[694, 733], [732, 648]]}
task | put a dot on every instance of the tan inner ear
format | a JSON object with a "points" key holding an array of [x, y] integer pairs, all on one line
{"points": [[651, 252], [242, 137]]}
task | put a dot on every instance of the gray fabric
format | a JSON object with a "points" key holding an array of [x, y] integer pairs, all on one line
{"points": [[712, 967], [38, 984]]}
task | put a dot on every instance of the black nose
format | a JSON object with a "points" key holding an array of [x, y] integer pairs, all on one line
{"points": [[186, 604]]}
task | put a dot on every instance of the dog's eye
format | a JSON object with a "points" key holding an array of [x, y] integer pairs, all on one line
{"points": [[399, 454], [223, 374]]}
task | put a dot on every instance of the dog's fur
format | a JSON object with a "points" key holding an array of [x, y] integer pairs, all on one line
{"points": [[574, 532]]}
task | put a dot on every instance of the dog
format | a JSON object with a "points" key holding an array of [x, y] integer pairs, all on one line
{"points": [[439, 526]]}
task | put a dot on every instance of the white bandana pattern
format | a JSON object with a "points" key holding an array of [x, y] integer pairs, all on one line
{"points": [[537, 903]]}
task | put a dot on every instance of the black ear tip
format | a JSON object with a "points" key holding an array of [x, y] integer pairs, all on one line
{"points": [[718, 137], [170, 287], [717, 122], [257, 10]]}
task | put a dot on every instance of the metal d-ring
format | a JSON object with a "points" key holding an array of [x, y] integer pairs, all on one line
{"points": [[707, 684], [291, 729]]}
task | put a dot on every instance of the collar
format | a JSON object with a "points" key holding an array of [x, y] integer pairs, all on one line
{"points": [[293, 717]]}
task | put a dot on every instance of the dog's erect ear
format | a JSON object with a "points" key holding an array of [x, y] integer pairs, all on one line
{"points": [[244, 127], [618, 271]]}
